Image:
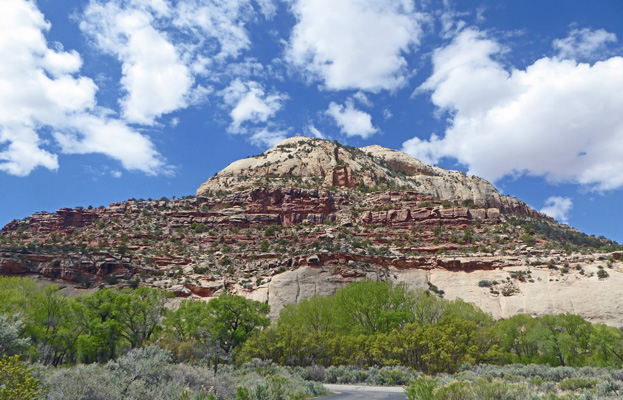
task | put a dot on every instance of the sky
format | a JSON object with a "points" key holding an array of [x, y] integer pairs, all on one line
{"points": [[103, 101]]}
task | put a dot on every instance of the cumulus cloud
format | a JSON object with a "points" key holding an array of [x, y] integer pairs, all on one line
{"points": [[354, 44], [352, 122], [557, 118], [558, 208], [219, 22], [583, 43], [267, 137], [160, 66], [42, 92], [250, 103], [155, 79], [86, 134]]}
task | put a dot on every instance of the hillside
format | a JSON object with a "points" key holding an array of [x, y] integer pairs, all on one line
{"points": [[310, 215]]}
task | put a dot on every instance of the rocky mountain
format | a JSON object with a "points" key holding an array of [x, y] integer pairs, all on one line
{"points": [[315, 163], [310, 215]]}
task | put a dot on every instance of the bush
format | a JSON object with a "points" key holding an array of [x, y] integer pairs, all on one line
{"points": [[573, 384], [499, 389], [455, 390], [144, 373], [17, 381], [421, 388], [10, 331], [602, 274], [394, 376]]}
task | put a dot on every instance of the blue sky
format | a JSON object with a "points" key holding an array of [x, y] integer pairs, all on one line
{"points": [[101, 101]]}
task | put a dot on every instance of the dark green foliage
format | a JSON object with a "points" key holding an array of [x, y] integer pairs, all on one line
{"points": [[196, 329], [235, 318]]}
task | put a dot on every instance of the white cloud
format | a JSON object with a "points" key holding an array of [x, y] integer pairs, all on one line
{"points": [[351, 121], [267, 7], [42, 92], [267, 137], [250, 103], [557, 118], [22, 153], [583, 43], [354, 44], [155, 78], [313, 131], [219, 21], [86, 134], [558, 208], [362, 99]]}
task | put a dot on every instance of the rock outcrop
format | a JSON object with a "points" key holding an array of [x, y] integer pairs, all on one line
{"points": [[318, 163]]}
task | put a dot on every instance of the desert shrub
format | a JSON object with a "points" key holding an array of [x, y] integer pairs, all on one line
{"points": [[609, 387], [313, 373], [17, 381], [577, 383], [421, 388], [455, 390], [267, 380], [341, 374], [144, 373], [83, 382], [261, 391], [11, 342], [395, 376], [498, 389]]}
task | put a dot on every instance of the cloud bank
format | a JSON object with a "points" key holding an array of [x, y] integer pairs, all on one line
{"points": [[556, 118], [45, 102]]}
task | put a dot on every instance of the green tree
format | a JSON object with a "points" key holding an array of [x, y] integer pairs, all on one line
{"points": [[52, 327], [235, 318], [315, 314], [17, 294], [373, 306], [427, 308], [138, 313], [565, 339], [519, 338], [188, 330], [97, 315], [606, 344]]}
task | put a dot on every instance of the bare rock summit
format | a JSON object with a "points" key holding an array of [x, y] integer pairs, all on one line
{"points": [[316, 163]]}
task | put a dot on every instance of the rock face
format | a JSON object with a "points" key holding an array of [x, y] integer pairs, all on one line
{"points": [[319, 163], [310, 216], [549, 293]]}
